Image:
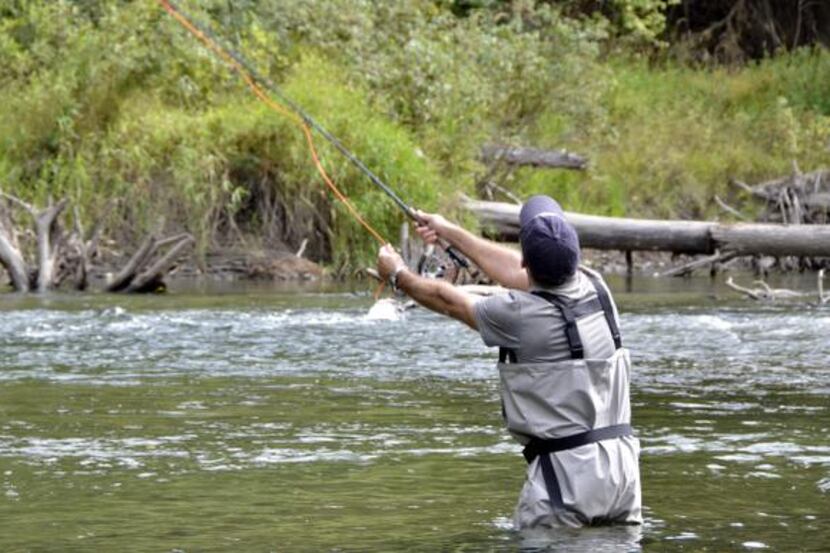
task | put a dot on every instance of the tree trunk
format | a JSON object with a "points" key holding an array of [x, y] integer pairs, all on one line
{"points": [[153, 278], [501, 220], [133, 279], [48, 244], [13, 261], [128, 272], [774, 240]]}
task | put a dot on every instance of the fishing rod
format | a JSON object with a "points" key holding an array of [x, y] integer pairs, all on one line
{"points": [[242, 64]]}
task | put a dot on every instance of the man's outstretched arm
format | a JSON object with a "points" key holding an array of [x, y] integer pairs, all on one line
{"points": [[500, 263], [435, 295]]}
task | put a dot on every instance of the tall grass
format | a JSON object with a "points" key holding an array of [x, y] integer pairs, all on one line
{"points": [[673, 136]]}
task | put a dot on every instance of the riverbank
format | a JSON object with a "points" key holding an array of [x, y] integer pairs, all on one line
{"points": [[166, 140], [242, 264]]}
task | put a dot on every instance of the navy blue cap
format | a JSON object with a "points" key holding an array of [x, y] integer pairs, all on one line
{"points": [[550, 245]]}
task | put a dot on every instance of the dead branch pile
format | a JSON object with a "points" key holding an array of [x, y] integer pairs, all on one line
{"points": [[45, 254], [145, 271], [797, 199]]}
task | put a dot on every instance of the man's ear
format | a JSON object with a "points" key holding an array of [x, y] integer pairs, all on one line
{"points": [[524, 265]]}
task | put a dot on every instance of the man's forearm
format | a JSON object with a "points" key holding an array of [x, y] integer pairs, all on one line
{"points": [[500, 263], [438, 296]]}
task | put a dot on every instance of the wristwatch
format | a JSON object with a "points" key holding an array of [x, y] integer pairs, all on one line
{"points": [[393, 278]]}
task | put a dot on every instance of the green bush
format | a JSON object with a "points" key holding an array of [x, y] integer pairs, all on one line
{"points": [[112, 100]]}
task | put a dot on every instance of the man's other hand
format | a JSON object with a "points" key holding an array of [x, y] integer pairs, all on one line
{"points": [[431, 226], [388, 261]]}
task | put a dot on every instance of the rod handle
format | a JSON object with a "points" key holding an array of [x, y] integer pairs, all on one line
{"points": [[456, 257]]}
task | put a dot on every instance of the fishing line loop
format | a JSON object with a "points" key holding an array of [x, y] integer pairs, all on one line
{"points": [[293, 113]]}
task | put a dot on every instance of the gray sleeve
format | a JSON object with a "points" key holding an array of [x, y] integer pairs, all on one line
{"points": [[497, 318]]}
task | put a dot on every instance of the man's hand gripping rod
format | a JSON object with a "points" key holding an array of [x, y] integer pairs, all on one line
{"points": [[453, 254]]}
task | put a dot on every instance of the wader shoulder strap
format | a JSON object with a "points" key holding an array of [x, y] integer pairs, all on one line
{"points": [[543, 449], [607, 308], [571, 331]]}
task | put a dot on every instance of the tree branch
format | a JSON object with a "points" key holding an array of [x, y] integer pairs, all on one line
{"points": [[150, 279]]}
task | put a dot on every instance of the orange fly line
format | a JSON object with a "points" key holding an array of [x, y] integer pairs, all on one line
{"points": [[276, 106]]}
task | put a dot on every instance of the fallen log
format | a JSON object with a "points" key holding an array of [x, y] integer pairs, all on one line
{"points": [[501, 221], [773, 239], [125, 276], [152, 279], [533, 157]]}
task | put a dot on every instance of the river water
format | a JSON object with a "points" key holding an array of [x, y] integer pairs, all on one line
{"points": [[272, 419]]}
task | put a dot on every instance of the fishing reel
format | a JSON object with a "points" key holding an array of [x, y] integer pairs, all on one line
{"points": [[436, 264]]}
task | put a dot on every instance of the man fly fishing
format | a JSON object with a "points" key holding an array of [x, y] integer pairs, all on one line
{"points": [[564, 373]]}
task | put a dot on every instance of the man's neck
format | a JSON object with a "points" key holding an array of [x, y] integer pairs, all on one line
{"points": [[569, 283]]}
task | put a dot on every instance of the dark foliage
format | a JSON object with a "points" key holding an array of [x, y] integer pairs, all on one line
{"points": [[733, 30]]}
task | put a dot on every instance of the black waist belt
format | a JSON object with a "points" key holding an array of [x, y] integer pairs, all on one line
{"points": [[541, 448]]}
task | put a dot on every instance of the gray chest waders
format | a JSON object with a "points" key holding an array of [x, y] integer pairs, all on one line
{"points": [[543, 448]]}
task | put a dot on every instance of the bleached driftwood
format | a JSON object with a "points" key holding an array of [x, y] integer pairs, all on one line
{"points": [[302, 248], [139, 274], [48, 246], [59, 255], [10, 254], [764, 292], [729, 209]]}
